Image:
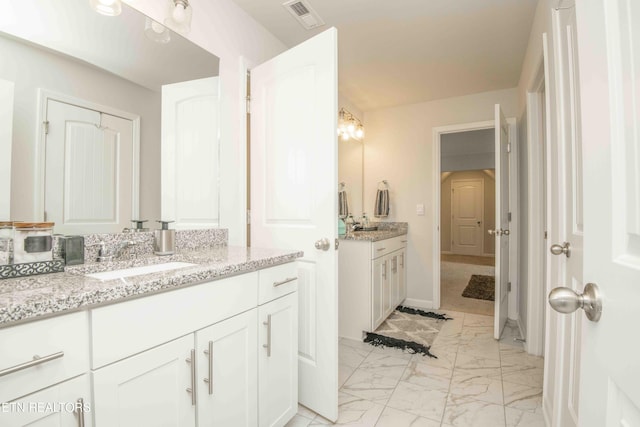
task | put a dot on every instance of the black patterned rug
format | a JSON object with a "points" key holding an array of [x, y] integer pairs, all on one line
{"points": [[481, 287], [409, 329]]}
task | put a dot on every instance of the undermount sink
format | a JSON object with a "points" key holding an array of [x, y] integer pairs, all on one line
{"points": [[137, 271], [369, 228]]}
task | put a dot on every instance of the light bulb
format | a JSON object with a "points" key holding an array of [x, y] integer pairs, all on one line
{"points": [[107, 7], [359, 133], [179, 13], [345, 136], [351, 128], [158, 28]]}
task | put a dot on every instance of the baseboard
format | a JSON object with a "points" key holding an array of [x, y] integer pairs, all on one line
{"points": [[523, 333], [418, 303], [489, 255], [446, 252]]}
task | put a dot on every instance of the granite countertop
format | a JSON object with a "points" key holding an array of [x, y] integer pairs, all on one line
{"points": [[386, 230], [30, 298]]}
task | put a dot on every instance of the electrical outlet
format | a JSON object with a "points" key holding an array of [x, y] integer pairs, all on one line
{"points": [[420, 209]]}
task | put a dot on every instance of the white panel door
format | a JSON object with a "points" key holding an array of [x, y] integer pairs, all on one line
{"points": [[278, 354], [89, 170], [467, 213], [148, 389], [502, 222], [67, 404], [608, 34], [6, 132], [294, 174], [227, 358], [565, 331], [190, 154]]}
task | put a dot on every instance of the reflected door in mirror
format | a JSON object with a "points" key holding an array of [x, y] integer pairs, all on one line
{"points": [[6, 126], [89, 168]]}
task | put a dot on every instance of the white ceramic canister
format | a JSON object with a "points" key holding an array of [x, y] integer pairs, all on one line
{"points": [[33, 242], [7, 231]]}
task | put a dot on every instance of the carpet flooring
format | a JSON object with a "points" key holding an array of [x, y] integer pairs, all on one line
{"points": [[454, 277]]}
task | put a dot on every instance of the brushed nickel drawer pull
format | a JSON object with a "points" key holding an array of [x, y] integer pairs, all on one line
{"points": [[209, 353], [381, 249], [80, 411], [37, 360], [192, 361], [403, 241], [268, 344], [287, 280]]}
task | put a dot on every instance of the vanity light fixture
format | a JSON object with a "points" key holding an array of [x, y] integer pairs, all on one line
{"points": [[156, 32], [107, 7], [349, 126], [179, 15]]}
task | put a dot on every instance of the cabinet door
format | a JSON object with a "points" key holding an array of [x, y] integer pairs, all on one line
{"points": [[402, 276], [394, 279], [379, 286], [152, 388], [67, 404], [227, 362], [387, 286], [278, 361]]}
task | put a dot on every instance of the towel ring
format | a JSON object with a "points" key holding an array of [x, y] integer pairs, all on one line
{"points": [[383, 185]]}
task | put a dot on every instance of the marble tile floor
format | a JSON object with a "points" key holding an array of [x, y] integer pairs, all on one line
{"points": [[475, 382]]}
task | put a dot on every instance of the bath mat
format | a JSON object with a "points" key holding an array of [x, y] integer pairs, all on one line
{"points": [[409, 329], [480, 287]]}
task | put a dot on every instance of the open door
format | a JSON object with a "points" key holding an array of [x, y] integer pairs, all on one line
{"points": [[608, 34], [294, 176], [501, 232]]}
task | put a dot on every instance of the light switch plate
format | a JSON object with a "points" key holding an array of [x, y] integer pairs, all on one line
{"points": [[420, 209]]}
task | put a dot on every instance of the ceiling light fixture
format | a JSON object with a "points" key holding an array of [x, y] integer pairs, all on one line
{"points": [[179, 15], [107, 7], [156, 32], [349, 126]]}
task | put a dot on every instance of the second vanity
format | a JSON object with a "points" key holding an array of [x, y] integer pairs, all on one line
{"points": [[212, 343], [372, 277]]}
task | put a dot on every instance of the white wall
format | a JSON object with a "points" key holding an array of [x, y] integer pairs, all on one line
{"points": [[225, 30], [399, 148], [32, 68]]}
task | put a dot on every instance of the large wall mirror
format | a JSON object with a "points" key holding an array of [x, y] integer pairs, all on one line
{"points": [[111, 119], [351, 173]]}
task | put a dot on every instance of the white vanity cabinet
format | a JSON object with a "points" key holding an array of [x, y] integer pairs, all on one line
{"points": [[372, 277], [278, 346]]}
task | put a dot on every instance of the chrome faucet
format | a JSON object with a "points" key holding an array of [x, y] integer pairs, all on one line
{"points": [[105, 255]]}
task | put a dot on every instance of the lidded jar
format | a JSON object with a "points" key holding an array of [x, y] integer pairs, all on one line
{"points": [[33, 242], [7, 231]]}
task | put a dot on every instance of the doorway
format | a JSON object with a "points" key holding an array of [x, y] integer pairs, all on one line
{"points": [[467, 214]]}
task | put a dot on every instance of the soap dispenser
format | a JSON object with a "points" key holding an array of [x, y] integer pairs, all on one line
{"points": [[139, 225], [165, 240]]}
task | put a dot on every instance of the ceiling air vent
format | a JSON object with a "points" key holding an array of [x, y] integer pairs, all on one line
{"points": [[304, 13]]}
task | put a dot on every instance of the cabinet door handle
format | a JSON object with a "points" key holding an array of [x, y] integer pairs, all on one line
{"points": [[192, 361], [268, 344], [209, 353], [394, 264], [402, 260], [381, 249], [403, 241], [37, 360], [80, 411], [384, 270], [287, 280]]}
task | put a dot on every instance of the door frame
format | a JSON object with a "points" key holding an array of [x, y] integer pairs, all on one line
{"points": [[513, 197], [481, 208], [538, 205], [44, 96]]}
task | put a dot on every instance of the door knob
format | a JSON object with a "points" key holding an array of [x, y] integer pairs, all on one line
{"points": [[323, 244], [565, 248], [566, 300], [495, 232], [505, 232]]}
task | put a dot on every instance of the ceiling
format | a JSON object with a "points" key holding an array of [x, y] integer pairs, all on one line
{"points": [[402, 52]]}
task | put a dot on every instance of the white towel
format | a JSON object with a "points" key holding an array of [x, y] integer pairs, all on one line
{"points": [[343, 204], [382, 204]]}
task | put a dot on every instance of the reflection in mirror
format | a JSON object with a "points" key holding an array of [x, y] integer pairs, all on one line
{"points": [[350, 171], [89, 124]]}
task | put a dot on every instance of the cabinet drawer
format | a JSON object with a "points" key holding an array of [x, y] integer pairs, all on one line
{"points": [[127, 328], [61, 342], [383, 247], [277, 281]]}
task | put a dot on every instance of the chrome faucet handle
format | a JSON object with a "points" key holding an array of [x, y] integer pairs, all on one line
{"points": [[103, 254]]}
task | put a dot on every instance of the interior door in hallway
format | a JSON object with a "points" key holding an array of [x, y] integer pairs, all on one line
{"points": [[608, 35], [467, 213], [501, 231], [294, 174]]}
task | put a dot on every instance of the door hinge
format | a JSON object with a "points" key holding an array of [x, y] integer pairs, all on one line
{"points": [[45, 126], [508, 286], [508, 147], [545, 235], [337, 244], [509, 216], [248, 217]]}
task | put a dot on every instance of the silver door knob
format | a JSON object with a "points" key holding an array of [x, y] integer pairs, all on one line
{"points": [[566, 300], [323, 244], [505, 232], [495, 232], [565, 249]]}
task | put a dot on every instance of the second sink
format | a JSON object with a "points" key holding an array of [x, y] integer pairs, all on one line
{"points": [[137, 271]]}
